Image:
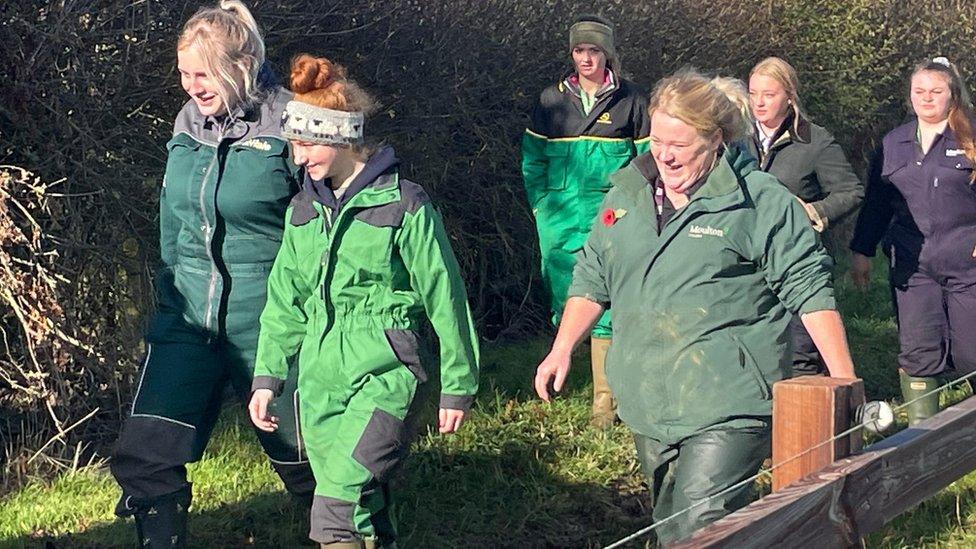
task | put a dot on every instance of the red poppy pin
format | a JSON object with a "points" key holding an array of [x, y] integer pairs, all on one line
{"points": [[610, 216]]}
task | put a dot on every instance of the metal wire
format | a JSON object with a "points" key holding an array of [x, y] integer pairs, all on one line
{"points": [[649, 529]]}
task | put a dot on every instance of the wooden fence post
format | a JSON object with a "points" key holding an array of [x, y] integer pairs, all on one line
{"points": [[807, 411]]}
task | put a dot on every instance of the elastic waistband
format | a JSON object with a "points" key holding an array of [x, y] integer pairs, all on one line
{"points": [[358, 320]]}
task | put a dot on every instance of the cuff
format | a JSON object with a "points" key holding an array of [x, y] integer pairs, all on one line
{"points": [[817, 218], [823, 301], [457, 402], [268, 382], [601, 300]]}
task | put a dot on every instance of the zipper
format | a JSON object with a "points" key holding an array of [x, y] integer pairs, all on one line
{"points": [[328, 247], [208, 233]]}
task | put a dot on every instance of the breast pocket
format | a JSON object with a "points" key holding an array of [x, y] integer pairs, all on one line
{"points": [[557, 171], [607, 157], [958, 162], [366, 249], [262, 169]]}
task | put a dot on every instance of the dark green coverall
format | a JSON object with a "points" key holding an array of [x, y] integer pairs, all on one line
{"points": [[228, 182]]}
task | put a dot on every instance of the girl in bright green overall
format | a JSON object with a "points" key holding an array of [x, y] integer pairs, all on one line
{"points": [[589, 125], [364, 264]]}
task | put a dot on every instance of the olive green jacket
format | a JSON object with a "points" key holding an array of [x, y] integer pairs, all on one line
{"points": [[701, 308]]}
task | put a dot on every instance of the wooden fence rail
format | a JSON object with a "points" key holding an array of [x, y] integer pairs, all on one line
{"points": [[855, 496]]}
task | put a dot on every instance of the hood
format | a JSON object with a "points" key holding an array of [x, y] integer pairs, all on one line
{"points": [[380, 162]]}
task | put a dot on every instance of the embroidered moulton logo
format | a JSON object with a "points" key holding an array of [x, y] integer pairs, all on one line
{"points": [[257, 144], [697, 231]]}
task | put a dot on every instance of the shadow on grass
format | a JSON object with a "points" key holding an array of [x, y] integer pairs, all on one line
{"points": [[468, 499], [523, 474]]}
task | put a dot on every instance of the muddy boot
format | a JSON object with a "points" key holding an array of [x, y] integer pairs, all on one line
{"points": [[604, 406], [914, 387], [161, 522]]}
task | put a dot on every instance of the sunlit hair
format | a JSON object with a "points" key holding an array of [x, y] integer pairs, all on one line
{"points": [[784, 73], [707, 104], [320, 82], [960, 107], [738, 94], [229, 42]]}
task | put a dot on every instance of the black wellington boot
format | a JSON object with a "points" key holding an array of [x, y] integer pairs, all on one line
{"points": [[161, 522]]}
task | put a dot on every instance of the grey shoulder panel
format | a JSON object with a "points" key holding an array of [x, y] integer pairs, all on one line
{"points": [[412, 198], [191, 122], [269, 114], [387, 215], [302, 209]]}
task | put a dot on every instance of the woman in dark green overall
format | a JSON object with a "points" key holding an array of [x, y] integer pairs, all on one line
{"points": [[704, 259], [585, 127], [365, 265], [228, 182]]}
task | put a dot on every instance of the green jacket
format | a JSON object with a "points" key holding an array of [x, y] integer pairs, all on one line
{"points": [[221, 215], [810, 163], [379, 259], [567, 159], [701, 309]]}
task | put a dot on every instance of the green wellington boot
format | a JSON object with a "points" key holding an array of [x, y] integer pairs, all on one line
{"points": [[914, 387]]}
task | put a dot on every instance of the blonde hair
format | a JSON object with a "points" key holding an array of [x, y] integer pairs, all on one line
{"points": [[783, 73], [709, 105], [960, 107], [230, 44]]}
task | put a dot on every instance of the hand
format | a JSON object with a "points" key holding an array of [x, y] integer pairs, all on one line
{"points": [[258, 409], [555, 365], [449, 420], [860, 270]]}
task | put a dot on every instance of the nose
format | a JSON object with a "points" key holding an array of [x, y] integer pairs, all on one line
{"points": [[300, 157], [663, 153]]}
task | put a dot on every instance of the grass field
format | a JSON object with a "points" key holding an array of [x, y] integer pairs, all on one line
{"points": [[520, 474]]}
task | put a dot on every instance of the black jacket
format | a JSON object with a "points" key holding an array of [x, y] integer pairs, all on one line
{"points": [[811, 164]]}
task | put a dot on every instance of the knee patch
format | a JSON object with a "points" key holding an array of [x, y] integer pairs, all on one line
{"points": [[382, 446], [151, 455]]}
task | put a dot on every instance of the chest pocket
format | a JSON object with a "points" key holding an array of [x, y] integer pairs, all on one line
{"points": [[261, 167], [613, 154], [367, 246], [958, 162], [557, 171], [183, 162]]}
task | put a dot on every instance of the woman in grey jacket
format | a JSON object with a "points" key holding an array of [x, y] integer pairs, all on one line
{"points": [[807, 160]]}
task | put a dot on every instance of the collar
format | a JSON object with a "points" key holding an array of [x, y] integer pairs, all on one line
{"points": [[722, 180], [571, 83]]}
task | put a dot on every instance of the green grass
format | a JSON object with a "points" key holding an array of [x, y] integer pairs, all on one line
{"points": [[521, 473]]}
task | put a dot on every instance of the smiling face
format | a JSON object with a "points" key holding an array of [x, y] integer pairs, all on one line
{"points": [[319, 160], [681, 154], [590, 61], [931, 96], [198, 83], [768, 99]]}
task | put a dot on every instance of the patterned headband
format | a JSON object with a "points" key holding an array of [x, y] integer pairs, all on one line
{"points": [[304, 122]]}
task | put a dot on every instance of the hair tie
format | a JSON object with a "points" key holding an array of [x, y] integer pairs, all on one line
{"points": [[942, 61]]}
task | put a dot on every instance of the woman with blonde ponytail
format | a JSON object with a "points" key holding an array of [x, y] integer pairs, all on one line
{"points": [[704, 260], [923, 208], [228, 181], [365, 264], [808, 161]]}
